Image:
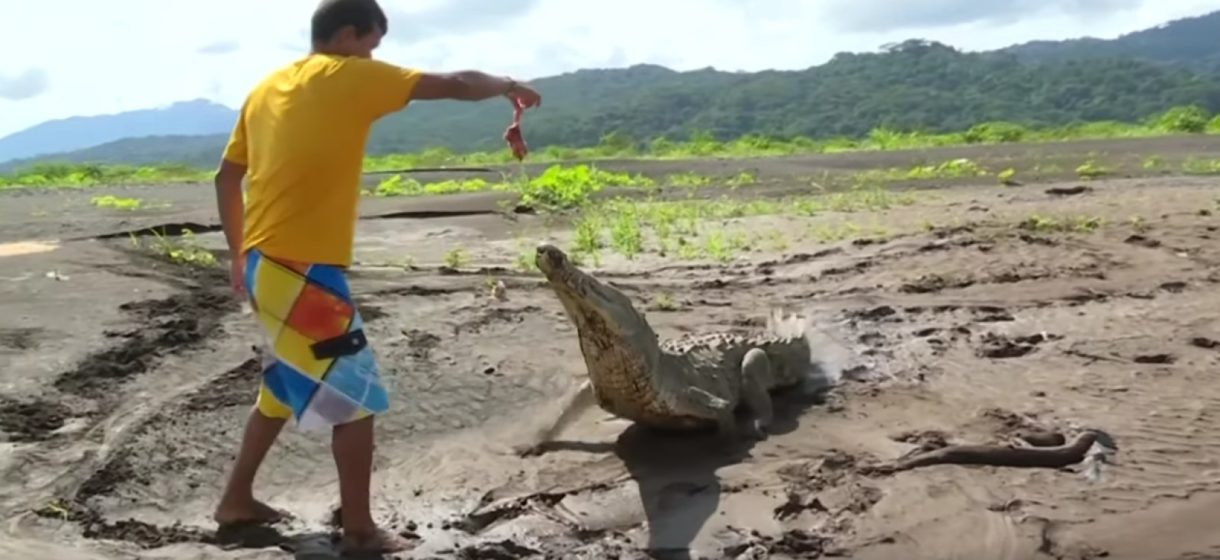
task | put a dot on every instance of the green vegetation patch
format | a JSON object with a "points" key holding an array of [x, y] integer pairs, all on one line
{"points": [[699, 144], [694, 228]]}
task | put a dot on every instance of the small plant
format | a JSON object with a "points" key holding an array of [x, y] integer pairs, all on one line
{"points": [[1086, 224], [580, 258], [626, 236], [833, 233], [995, 132], [405, 262], [116, 203], [739, 242], [455, 258], [1091, 170], [1152, 163], [182, 251], [688, 179], [717, 247], [742, 179], [1005, 177], [687, 250], [1138, 224], [1039, 223], [524, 261], [392, 186], [1195, 166], [777, 242], [1046, 224], [664, 302], [588, 237]]}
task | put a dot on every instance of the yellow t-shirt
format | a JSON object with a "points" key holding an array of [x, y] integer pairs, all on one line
{"points": [[301, 134]]}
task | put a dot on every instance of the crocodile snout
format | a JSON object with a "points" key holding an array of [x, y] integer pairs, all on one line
{"points": [[548, 257]]}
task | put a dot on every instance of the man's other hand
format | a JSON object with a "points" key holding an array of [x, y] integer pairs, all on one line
{"points": [[237, 275]]}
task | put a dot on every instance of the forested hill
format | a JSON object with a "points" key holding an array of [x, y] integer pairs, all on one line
{"points": [[912, 85], [1190, 42]]}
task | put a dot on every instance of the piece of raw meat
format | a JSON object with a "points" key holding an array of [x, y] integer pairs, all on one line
{"points": [[516, 142]]}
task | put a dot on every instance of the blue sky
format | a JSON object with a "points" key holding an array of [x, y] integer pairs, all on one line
{"points": [[88, 57]]}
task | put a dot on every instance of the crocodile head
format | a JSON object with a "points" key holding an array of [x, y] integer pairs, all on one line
{"points": [[612, 333]]}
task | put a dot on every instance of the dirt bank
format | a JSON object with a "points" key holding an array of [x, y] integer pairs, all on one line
{"points": [[128, 378]]}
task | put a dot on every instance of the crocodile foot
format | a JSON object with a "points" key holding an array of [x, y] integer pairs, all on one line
{"points": [[755, 430], [529, 449]]}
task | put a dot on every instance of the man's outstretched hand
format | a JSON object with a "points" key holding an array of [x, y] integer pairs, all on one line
{"points": [[523, 96]]}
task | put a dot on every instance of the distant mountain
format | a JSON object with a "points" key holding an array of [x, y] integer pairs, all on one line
{"points": [[1190, 42], [195, 151], [915, 84], [184, 118]]}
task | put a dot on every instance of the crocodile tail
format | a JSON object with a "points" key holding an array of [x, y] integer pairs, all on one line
{"points": [[807, 355]]}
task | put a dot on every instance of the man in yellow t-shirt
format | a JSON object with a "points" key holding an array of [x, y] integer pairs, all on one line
{"points": [[300, 141]]}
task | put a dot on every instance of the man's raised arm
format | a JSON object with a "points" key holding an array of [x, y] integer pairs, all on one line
{"points": [[472, 85], [383, 87]]}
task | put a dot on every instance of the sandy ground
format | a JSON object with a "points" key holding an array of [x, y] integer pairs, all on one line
{"points": [[127, 378]]}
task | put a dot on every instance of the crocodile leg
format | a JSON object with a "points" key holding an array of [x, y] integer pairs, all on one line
{"points": [[755, 367], [702, 404], [576, 404]]}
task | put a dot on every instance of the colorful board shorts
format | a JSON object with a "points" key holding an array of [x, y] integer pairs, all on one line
{"points": [[318, 368]]}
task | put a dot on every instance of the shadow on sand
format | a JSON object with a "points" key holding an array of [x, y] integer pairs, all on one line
{"points": [[676, 472], [309, 545]]}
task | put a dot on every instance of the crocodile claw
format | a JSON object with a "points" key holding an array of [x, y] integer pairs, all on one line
{"points": [[757, 430], [529, 450]]}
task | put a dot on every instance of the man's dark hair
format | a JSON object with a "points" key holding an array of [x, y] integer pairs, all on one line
{"points": [[333, 15]]}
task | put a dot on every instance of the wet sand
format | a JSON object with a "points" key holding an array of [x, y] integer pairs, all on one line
{"points": [[128, 378]]}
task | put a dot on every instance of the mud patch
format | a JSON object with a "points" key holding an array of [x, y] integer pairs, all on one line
{"points": [[233, 388], [30, 421], [167, 326], [1204, 343], [925, 440], [829, 471], [495, 315], [20, 338], [421, 343], [881, 313], [998, 346], [371, 313], [144, 535], [792, 544], [933, 283], [117, 470], [1159, 358], [502, 550]]}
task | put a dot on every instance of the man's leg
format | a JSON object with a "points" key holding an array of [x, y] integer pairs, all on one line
{"points": [[263, 426], [353, 450]]}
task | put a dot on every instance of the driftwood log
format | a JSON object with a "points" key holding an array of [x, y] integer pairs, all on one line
{"points": [[1056, 457]]}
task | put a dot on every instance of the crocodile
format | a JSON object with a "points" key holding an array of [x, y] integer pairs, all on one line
{"points": [[688, 383]]}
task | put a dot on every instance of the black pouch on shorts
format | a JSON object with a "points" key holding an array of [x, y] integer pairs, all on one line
{"points": [[343, 345]]}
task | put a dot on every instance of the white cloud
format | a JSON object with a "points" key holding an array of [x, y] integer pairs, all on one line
{"points": [[171, 51], [451, 17], [25, 85], [860, 15], [219, 47]]}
